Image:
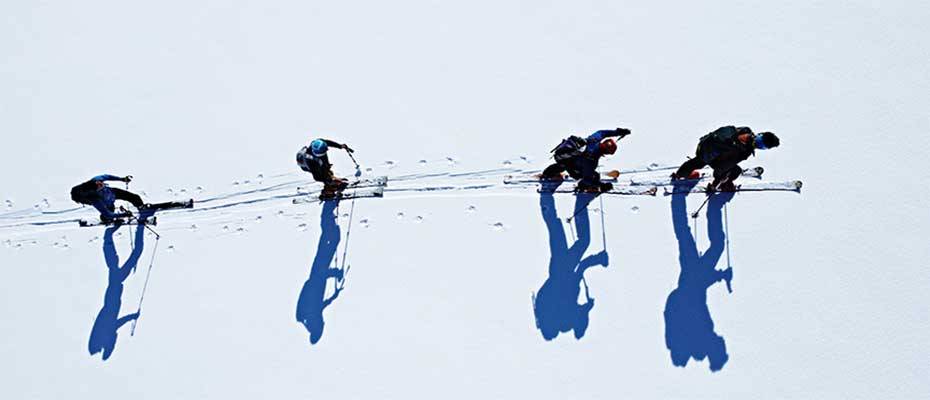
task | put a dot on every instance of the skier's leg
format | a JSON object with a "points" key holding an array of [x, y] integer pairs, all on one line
{"points": [[553, 171], [727, 176], [132, 198], [688, 166]]}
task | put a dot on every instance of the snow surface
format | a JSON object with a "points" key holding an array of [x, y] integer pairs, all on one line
{"points": [[211, 100]]}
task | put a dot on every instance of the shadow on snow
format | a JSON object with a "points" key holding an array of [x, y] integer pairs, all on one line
{"points": [[689, 329], [103, 334], [556, 306], [312, 300]]}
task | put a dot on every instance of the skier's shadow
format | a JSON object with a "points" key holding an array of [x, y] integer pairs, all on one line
{"points": [[556, 306], [312, 300], [689, 329], [103, 334]]}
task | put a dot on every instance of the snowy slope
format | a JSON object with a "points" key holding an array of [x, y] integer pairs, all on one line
{"points": [[453, 280]]}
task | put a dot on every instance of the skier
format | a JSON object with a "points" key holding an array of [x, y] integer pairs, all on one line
{"points": [[580, 157], [314, 160], [723, 149], [95, 192]]}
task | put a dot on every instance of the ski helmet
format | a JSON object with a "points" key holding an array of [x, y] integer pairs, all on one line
{"points": [[608, 146], [318, 147], [766, 140]]}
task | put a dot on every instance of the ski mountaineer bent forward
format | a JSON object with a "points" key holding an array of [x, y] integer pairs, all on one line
{"points": [[97, 193], [580, 158], [723, 149], [314, 160]]}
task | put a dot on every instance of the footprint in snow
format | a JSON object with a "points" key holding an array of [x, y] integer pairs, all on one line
{"points": [[471, 209], [400, 215], [419, 219], [498, 226], [634, 209], [364, 222], [302, 227]]}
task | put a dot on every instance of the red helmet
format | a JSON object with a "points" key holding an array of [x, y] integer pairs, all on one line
{"points": [[608, 146]]}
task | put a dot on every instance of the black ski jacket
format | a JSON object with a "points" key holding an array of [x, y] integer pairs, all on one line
{"points": [[319, 167], [721, 149]]}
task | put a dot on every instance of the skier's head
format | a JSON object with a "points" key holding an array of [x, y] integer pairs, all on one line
{"points": [[766, 140], [318, 147], [608, 146]]}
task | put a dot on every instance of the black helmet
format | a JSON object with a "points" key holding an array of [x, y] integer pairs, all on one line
{"points": [[769, 140]]}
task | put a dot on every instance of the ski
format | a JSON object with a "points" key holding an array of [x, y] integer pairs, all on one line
{"points": [[361, 183], [617, 190], [517, 180], [120, 221], [169, 205], [786, 186], [375, 191], [747, 173]]}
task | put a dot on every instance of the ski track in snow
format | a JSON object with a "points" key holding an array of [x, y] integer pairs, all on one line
{"points": [[230, 211]]}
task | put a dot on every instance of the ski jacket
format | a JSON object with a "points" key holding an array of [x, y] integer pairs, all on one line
{"points": [[102, 199], [318, 166], [592, 149], [722, 149]]}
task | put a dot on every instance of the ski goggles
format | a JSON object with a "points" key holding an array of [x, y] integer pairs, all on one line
{"points": [[759, 143]]}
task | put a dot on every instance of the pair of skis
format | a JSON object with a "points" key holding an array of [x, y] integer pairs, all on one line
{"points": [[362, 188], [133, 220], [649, 186]]}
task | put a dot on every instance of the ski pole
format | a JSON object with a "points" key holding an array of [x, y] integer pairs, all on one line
{"points": [[358, 169], [585, 208], [132, 330], [716, 189], [603, 229]]}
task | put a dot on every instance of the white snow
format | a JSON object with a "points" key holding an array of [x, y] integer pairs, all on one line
{"points": [[212, 100]]}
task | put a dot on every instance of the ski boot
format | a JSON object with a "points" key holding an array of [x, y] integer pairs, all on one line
{"points": [[727, 186]]}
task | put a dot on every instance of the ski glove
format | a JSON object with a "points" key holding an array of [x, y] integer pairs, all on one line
{"points": [[347, 148], [127, 179], [623, 132]]}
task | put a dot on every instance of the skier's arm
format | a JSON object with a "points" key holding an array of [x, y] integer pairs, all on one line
{"points": [[107, 177], [604, 133], [592, 260], [126, 318], [328, 301], [338, 145]]}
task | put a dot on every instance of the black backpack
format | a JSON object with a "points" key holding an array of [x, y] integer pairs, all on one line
{"points": [[302, 159], [570, 147], [85, 193]]}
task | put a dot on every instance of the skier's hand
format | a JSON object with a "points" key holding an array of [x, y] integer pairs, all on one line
{"points": [[127, 179], [348, 149], [623, 132], [613, 174]]}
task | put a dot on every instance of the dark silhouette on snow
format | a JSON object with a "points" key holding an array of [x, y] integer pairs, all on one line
{"points": [[556, 305], [689, 329], [312, 299], [103, 335]]}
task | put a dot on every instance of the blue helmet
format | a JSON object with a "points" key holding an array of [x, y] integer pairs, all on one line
{"points": [[318, 147]]}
